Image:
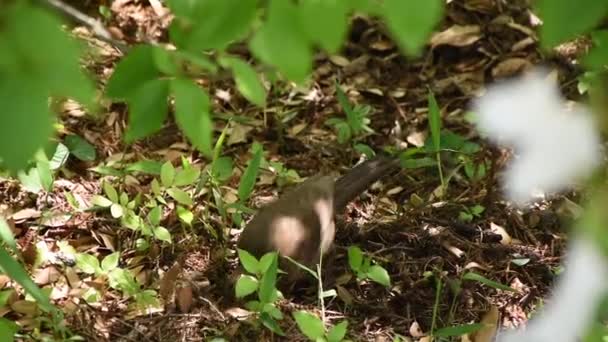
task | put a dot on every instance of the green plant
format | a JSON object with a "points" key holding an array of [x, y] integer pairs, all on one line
{"points": [[469, 213], [261, 279], [118, 278], [357, 121], [313, 328], [363, 268]]}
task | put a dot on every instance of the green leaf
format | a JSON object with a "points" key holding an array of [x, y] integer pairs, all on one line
{"points": [[479, 278], [267, 291], [59, 158], [337, 332], [167, 174], [16, 272], [80, 148], [458, 330], [116, 210], [193, 114], [250, 175], [88, 263], [412, 21], [109, 190], [309, 324], [559, 23], [271, 324], [180, 196], [249, 262], [45, 174], [365, 149], [415, 163], [137, 68], [151, 167], [596, 56], [162, 234], [245, 285], [282, 43], [222, 168], [378, 274], [154, 216], [266, 261], [110, 262], [30, 181], [101, 201], [247, 81], [147, 109], [273, 311], [187, 176], [434, 117], [8, 329], [185, 215], [355, 258], [27, 120], [325, 22], [6, 235], [218, 23]]}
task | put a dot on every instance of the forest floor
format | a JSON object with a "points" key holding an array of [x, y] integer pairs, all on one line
{"points": [[421, 236]]}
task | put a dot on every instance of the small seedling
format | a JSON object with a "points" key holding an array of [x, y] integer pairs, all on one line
{"points": [[261, 279], [469, 213], [312, 327], [363, 268], [357, 120]]}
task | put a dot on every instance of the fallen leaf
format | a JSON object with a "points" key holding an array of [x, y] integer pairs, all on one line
{"points": [[167, 283], [184, 298], [510, 66], [496, 229], [46, 275], [457, 35], [25, 214], [488, 332], [415, 330]]}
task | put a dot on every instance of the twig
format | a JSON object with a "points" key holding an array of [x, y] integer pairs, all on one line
{"points": [[95, 25]]}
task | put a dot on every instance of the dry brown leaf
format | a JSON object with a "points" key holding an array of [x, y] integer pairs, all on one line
{"points": [[238, 313], [46, 275], [483, 6], [296, 129], [184, 298], [238, 134], [510, 67], [25, 307], [415, 330], [457, 35], [339, 60], [345, 295], [167, 283], [488, 332], [382, 45], [25, 214]]}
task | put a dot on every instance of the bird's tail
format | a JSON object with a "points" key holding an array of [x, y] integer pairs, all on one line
{"points": [[361, 177]]}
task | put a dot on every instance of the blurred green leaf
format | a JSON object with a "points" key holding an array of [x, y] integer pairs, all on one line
{"points": [[167, 174], [193, 115], [245, 286], [250, 175], [325, 22], [310, 325], [247, 80], [412, 21], [282, 43], [180, 196], [80, 148], [147, 109], [559, 23], [135, 69]]}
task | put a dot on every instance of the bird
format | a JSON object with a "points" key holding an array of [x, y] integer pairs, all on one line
{"points": [[301, 223]]}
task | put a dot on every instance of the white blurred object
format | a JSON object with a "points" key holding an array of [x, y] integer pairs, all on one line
{"points": [[554, 145], [575, 298]]}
